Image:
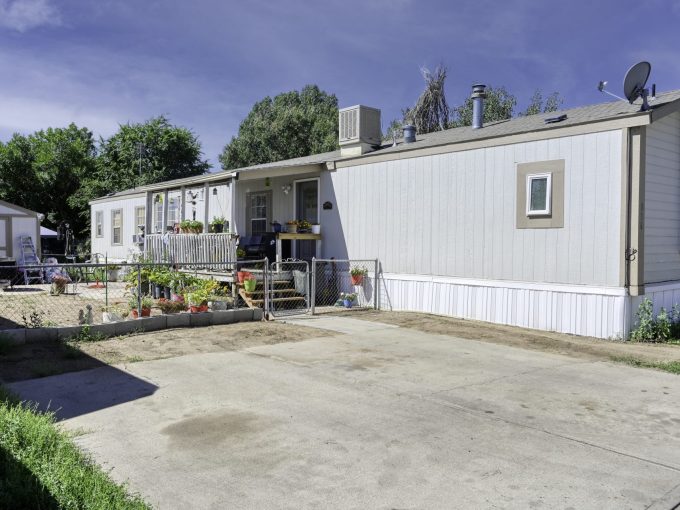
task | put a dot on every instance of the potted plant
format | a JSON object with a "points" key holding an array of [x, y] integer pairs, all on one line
{"points": [[304, 226], [250, 284], [357, 274], [217, 224], [217, 302], [276, 227], [58, 285], [111, 314], [242, 275], [184, 226], [292, 226], [316, 228], [112, 272], [348, 299], [168, 306], [146, 306], [240, 253], [198, 301], [196, 226]]}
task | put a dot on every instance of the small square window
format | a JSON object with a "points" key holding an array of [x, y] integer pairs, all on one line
{"points": [[539, 191]]}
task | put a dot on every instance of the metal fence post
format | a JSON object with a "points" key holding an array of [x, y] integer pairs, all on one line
{"points": [[265, 287], [313, 296], [376, 284], [139, 291]]}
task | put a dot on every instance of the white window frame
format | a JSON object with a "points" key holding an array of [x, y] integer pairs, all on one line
{"points": [[139, 230], [548, 197], [113, 227], [268, 205], [99, 223]]}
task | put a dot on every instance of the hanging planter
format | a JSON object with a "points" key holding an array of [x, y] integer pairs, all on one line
{"points": [[357, 274]]}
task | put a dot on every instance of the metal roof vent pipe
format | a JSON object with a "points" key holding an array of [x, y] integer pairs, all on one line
{"points": [[478, 96], [409, 133]]}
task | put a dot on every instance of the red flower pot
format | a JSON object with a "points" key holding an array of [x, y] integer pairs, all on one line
{"points": [[198, 309], [242, 275], [146, 312], [357, 279]]}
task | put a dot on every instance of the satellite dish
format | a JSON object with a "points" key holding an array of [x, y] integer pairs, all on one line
{"points": [[635, 81], [634, 85]]}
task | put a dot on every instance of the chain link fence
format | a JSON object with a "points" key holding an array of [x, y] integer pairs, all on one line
{"points": [[49, 295], [55, 294], [344, 284]]}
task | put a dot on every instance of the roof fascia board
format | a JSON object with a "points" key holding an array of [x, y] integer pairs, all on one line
{"points": [[577, 129], [19, 208], [665, 110], [102, 200], [258, 173]]}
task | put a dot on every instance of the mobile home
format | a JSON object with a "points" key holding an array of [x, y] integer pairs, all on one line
{"points": [[561, 221]]}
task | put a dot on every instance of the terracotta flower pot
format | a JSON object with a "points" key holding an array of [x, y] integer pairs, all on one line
{"points": [[198, 308], [242, 275], [146, 312], [357, 279]]}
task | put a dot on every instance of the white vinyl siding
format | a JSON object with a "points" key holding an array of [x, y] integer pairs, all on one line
{"points": [[454, 214], [99, 224], [117, 226], [662, 201]]}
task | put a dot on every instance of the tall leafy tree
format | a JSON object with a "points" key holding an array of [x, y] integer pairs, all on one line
{"points": [[140, 154], [43, 170], [498, 105], [290, 125], [538, 105]]}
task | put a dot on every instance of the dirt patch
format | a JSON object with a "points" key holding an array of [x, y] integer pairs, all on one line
{"points": [[40, 360], [577, 346]]}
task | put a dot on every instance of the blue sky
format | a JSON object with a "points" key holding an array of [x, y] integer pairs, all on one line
{"points": [[204, 63]]}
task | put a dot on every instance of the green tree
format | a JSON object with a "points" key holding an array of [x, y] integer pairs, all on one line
{"points": [[43, 170], [498, 105], [537, 105], [140, 154], [290, 125]]}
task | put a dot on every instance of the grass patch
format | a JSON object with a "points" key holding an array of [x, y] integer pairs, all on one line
{"points": [[40, 466], [667, 366]]}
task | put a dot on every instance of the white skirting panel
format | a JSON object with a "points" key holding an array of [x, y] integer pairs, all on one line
{"points": [[664, 294], [580, 310]]}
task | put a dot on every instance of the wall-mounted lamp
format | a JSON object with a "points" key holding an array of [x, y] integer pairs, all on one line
{"points": [[286, 188], [214, 192]]}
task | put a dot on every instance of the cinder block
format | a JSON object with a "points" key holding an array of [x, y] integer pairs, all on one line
{"points": [[68, 332], [178, 320], [127, 327], [224, 317], [15, 336], [153, 323], [201, 319], [258, 313], [36, 335], [108, 329], [243, 315]]}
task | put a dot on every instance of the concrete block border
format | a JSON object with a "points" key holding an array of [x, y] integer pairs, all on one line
{"points": [[126, 327]]}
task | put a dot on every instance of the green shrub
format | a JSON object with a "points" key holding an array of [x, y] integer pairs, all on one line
{"points": [[662, 328]]}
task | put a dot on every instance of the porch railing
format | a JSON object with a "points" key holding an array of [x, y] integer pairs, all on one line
{"points": [[191, 248]]}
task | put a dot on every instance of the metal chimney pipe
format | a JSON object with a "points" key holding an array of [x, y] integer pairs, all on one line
{"points": [[478, 96]]}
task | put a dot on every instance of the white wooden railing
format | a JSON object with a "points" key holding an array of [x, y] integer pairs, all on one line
{"points": [[215, 250]]}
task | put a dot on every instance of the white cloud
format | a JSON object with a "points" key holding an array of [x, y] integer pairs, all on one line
{"points": [[22, 15]]}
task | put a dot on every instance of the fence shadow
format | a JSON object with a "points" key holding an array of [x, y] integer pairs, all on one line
{"points": [[77, 393]]}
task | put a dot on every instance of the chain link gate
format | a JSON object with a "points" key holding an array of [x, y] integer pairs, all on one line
{"points": [[288, 288], [344, 284]]}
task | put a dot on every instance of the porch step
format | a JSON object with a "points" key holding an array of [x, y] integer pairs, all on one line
{"points": [[259, 302], [260, 291]]}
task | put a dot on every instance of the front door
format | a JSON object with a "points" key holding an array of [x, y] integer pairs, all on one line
{"points": [[307, 208], [5, 236]]}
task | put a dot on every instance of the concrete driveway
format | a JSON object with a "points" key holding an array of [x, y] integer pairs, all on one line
{"points": [[379, 417]]}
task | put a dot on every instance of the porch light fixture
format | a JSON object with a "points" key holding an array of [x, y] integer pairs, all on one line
{"points": [[286, 188], [214, 192]]}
